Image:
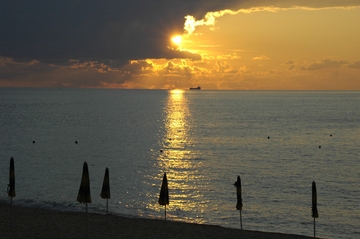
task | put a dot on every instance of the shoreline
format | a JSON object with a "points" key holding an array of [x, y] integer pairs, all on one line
{"points": [[43, 223]]}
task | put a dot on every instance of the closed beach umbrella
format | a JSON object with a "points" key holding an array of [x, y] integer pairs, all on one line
{"points": [[164, 193], [11, 186], [239, 203], [84, 191], [105, 191], [314, 210]]}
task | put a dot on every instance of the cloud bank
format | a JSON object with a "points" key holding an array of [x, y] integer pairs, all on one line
{"points": [[72, 39], [56, 31]]}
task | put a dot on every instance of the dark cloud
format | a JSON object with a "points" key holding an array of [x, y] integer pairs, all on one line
{"points": [[326, 64], [355, 65], [56, 31], [290, 62], [291, 67]]}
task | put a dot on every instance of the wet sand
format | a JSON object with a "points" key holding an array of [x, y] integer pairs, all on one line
{"points": [[41, 223]]}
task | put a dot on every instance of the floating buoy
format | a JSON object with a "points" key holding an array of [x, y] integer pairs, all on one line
{"points": [[76, 142], [33, 141]]}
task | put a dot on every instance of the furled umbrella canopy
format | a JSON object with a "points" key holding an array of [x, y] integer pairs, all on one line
{"points": [[314, 210], [84, 191], [11, 186], [164, 193], [105, 191], [239, 203]]}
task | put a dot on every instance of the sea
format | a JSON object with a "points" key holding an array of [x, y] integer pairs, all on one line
{"points": [[278, 142]]}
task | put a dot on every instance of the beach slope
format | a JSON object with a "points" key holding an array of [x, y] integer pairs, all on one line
{"points": [[40, 223]]}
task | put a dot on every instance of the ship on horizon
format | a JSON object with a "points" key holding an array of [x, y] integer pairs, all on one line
{"points": [[196, 88]]}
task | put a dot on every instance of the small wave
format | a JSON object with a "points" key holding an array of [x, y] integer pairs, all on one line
{"points": [[48, 205], [66, 207]]}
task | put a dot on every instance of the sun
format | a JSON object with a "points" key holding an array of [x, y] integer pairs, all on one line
{"points": [[177, 40]]}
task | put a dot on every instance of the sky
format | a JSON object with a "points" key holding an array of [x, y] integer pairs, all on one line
{"points": [[218, 44]]}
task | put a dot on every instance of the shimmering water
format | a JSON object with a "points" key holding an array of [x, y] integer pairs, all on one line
{"points": [[203, 140]]}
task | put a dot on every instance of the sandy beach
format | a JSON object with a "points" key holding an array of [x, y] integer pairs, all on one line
{"points": [[40, 223]]}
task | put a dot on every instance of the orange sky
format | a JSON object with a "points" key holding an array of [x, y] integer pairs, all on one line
{"points": [[272, 49]]}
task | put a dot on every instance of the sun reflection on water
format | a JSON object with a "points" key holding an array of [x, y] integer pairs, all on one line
{"points": [[177, 133], [179, 162]]}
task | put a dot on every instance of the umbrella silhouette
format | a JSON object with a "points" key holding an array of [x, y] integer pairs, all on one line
{"points": [[84, 191], [239, 203], [105, 191], [164, 193], [11, 186], [314, 210]]}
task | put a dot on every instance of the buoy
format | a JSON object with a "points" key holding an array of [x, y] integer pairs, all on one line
{"points": [[33, 141], [76, 142], [319, 146]]}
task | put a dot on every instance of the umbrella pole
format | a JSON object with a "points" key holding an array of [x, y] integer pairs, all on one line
{"points": [[107, 206], [240, 224], [314, 229], [10, 213], [87, 227], [240, 221], [165, 212]]}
